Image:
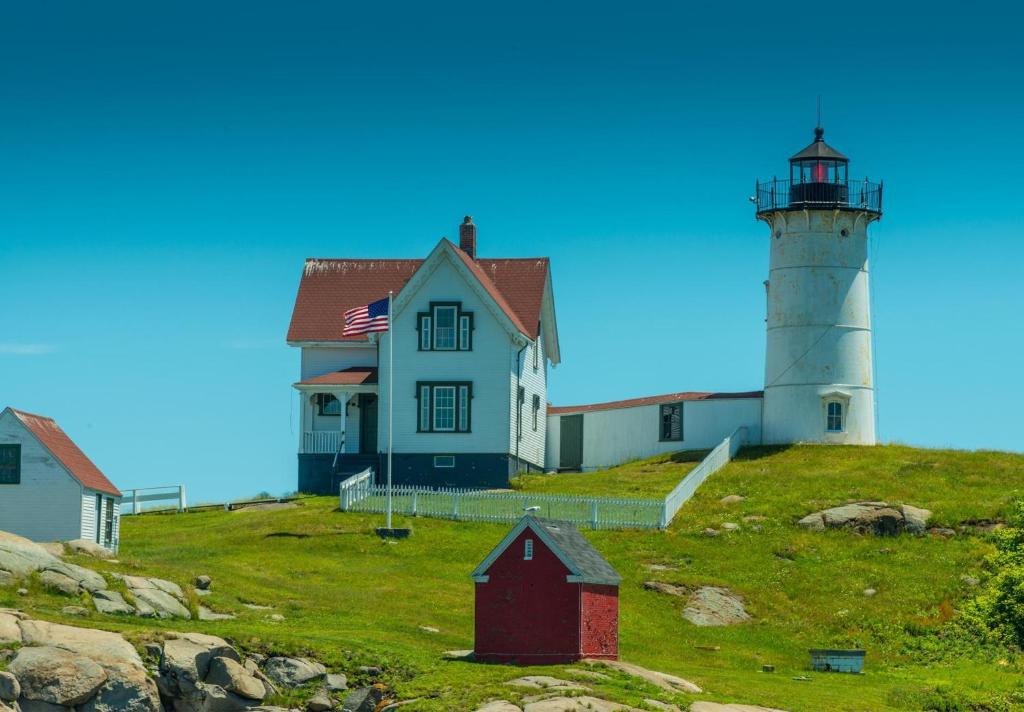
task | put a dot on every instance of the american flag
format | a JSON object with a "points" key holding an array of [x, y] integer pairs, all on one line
{"points": [[367, 319]]}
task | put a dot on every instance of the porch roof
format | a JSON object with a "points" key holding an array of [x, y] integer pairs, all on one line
{"points": [[354, 376]]}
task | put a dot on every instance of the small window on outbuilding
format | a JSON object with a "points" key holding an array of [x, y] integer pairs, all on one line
{"points": [[444, 461], [670, 422], [528, 550], [834, 417], [10, 464]]}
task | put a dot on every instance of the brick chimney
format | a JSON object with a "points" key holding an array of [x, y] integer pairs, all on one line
{"points": [[467, 236]]}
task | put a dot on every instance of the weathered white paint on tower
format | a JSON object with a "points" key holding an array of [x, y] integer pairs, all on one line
{"points": [[819, 348]]}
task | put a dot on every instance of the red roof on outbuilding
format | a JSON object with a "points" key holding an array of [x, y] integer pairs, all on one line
{"points": [[329, 287], [64, 449], [651, 400]]}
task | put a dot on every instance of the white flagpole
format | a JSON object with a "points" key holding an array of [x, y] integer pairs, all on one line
{"points": [[391, 400]]}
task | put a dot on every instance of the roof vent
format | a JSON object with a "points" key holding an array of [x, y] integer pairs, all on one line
{"points": [[467, 236]]}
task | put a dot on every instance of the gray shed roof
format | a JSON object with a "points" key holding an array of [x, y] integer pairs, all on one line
{"points": [[819, 149], [583, 561]]}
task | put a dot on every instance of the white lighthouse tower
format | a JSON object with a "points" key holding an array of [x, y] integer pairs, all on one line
{"points": [[819, 382]]}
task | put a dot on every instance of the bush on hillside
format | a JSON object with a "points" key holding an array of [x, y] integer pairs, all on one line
{"points": [[999, 609]]}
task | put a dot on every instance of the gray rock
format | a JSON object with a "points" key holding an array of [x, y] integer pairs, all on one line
{"points": [[10, 689], [21, 557], [457, 655], [216, 699], [711, 532], [128, 689], [7, 579], [86, 578], [667, 588], [815, 522], [233, 677], [883, 522], [335, 682], [546, 682], [27, 705], [205, 614], [869, 592], [57, 676], [915, 519], [703, 706], [96, 644], [320, 702], [163, 604], [841, 516], [186, 660], [730, 526], [75, 611], [942, 532], [204, 582], [292, 672], [499, 706], [365, 699], [732, 499], [89, 547], [137, 582], [663, 706], [22, 591], [10, 631], [714, 606], [168, 587], [663, 680], [59, 582], [575, 704], [111, 603]]}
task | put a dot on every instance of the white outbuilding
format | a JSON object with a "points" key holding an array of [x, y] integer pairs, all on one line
{"points": [[49, 489], [599, 435]]}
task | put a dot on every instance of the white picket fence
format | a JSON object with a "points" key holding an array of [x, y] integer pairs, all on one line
{"points": [[712, 462], [360, 493]]}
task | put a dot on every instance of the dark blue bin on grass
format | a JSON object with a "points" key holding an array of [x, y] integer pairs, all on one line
{"points": [[837, 661]]}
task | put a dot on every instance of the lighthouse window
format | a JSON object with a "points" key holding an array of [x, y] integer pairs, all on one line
{"points": [[834, 417]]}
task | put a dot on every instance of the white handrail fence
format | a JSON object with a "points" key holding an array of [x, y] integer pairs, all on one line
{"points": [[174, 495], [360, 493]]}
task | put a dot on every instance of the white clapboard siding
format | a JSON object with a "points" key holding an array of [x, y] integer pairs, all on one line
{"points": [[47, 505], [617, 435], [487, 366], [534, 382], [90, 517]]}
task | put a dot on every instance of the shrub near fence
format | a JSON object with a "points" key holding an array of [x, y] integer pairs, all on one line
{"points": [[359, 493]]}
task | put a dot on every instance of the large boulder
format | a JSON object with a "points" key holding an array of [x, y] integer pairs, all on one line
{"points": [[21, 557], [233, 677], [168, 587], [128, 689], [161, 603], [713, 606], [666, 681], [59, 582], [365, 699], [292, 672], [186, 659], [89, 547], [86, 578], [10, 631], [57, 676], [870, 517], [111, 603], [96, 644]]}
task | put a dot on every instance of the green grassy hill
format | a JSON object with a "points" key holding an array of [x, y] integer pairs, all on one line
{"points": [[351, 599]]}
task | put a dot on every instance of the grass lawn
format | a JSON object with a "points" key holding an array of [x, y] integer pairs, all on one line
{"points": [[351, 599]]}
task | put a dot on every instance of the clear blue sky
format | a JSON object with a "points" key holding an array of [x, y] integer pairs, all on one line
{"points": [[165, 169]]}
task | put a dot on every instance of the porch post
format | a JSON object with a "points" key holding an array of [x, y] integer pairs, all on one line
{"points": [[343, 399]]}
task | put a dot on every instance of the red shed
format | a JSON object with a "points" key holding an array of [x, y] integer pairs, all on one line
{"points": [[545, 596]]}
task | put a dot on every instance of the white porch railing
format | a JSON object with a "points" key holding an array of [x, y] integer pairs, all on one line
{"points": [[713, 462], [321, 441]]}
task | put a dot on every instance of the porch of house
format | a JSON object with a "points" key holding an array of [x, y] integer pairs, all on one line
{"points": [[338, 428]]}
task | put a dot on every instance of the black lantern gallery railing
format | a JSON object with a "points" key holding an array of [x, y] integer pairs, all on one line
{"points": [[851, 195]]}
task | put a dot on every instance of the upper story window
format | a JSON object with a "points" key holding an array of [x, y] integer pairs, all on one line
{"points": [[326, 404], [528, 550], [834, 417], [445, 328], [536, 409], [670, 422], [10, 464], [444, 407], [536, 353]]}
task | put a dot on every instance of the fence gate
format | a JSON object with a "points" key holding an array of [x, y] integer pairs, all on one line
{"points": [[571, 442]]}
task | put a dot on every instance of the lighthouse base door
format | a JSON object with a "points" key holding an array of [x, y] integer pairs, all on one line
{"points": [[570, 455]]}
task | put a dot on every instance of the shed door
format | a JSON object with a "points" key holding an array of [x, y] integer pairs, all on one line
{"points": [[571, 448]]}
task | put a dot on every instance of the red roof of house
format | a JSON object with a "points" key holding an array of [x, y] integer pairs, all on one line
{"points": [[651, 400], [329, 287], [64, 449], [354, 376]]}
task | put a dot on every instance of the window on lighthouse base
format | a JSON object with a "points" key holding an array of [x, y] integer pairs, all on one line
{"points": [[834, 416]]}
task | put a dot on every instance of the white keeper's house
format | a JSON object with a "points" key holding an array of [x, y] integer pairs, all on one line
{"points": [[474, 336], [473, 340], [49, 489]]}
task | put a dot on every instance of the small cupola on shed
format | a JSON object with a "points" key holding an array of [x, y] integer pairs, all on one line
{"points": [[545, 595]]}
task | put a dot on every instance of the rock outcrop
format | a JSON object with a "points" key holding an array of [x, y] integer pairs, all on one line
{"points": [[714, 606], [870, 517]]}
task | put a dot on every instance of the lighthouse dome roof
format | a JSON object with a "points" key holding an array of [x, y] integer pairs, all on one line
{"points": [[819, 149]]}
